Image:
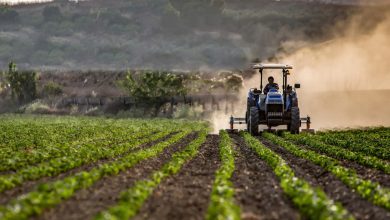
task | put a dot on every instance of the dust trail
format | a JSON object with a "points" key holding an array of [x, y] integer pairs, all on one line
{"points": [[345, 81]]}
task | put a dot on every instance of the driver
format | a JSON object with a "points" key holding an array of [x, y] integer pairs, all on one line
{"points": [[271, 85]]}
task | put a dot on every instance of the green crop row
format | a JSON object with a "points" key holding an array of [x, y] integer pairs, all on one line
{"points": [[50, 194], [222, 204], [132, 199], [372, 191], [313, 143], [311, 202], [374, 142], [26, 141], [22, 159], [88, 154]]}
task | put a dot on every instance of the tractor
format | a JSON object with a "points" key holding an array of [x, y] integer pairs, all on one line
{"points": [[273, 108]]}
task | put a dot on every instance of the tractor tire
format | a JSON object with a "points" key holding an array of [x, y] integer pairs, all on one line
{"points": [[295, 121], [253, 125]]}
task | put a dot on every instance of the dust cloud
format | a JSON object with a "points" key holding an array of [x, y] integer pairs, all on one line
{"points": [[345, 82]]}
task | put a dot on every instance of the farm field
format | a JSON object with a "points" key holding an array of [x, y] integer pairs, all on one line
{"points": [[105, 168]]}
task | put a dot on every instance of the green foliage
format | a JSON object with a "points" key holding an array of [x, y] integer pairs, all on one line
{"points": [[315, 143], [372, 142], [23, 84], [132, 199], [51, 89], [49, 194], [154, 85], [312, 202], [222, 204], [367, 189]]}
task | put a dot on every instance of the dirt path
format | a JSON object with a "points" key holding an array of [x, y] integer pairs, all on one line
{"points": [[334, 188], [186, 195], [257, 188], [28, 186]]}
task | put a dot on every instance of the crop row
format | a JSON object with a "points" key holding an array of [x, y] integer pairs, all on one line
{"points": [[87, 154], [367, 189], [132, 199], [364, 141], [50, 194], [313, 143], [22, 159], [222, 204], [29, 141], [311, 202]]}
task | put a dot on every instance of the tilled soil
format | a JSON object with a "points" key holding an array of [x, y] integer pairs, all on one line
{"points": [[364, 172], [86, 203], [186, 195], [334, 188], [28, 186], [257, 189]]}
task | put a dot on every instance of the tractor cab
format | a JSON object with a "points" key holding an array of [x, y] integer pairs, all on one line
{"points": [[273, 107]]}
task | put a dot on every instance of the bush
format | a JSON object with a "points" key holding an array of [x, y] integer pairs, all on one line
{"points": [[51, 89]]}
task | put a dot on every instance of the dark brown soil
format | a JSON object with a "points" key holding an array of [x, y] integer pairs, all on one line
{"points": [[257, 188], [334, 188], [186, 195], [86, 203], [364, 172], [28, 186]]}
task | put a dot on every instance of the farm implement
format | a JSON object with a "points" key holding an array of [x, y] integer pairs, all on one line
{"points": [[270, 107]]}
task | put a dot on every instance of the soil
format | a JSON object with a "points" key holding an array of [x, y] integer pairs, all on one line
{"points": [[186, 195], [257, 189], [86, 203], [333, 187], [364, 172], [28, 186]]}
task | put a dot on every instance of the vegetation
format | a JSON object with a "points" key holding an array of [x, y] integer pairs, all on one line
{"points": [[132, 199], [222, 204], [43, 158], [179, 35], [314, 143], [23, 84], [372, 142], [312, 202], [50, 194], [366, 188]]}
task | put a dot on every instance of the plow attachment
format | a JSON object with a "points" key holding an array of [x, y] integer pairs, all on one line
{"points": [[240, 121]]}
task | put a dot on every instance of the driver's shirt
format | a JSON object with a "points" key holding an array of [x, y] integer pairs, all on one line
{"points": [[270, 86]]}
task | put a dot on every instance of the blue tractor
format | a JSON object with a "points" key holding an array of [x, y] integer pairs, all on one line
{"points": [[272, 107]]}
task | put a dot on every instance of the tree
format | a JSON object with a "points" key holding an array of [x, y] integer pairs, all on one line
{"points": [[8, 16], [23, 84]]}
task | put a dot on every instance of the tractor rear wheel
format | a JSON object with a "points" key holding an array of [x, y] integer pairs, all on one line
{"points": [[295, 121], [253, 126]]}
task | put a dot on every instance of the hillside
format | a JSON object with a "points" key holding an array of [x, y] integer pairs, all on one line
{"points": [[160, 34]]}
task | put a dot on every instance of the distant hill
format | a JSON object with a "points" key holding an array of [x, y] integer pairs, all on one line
{"points": [[165, 34]]}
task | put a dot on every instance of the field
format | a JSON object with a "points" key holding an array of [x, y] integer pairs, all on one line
{"points": [[106, 168]]}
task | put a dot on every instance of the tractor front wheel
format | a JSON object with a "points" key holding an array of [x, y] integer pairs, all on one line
{"points": [[295, 121], [253, 126]]}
